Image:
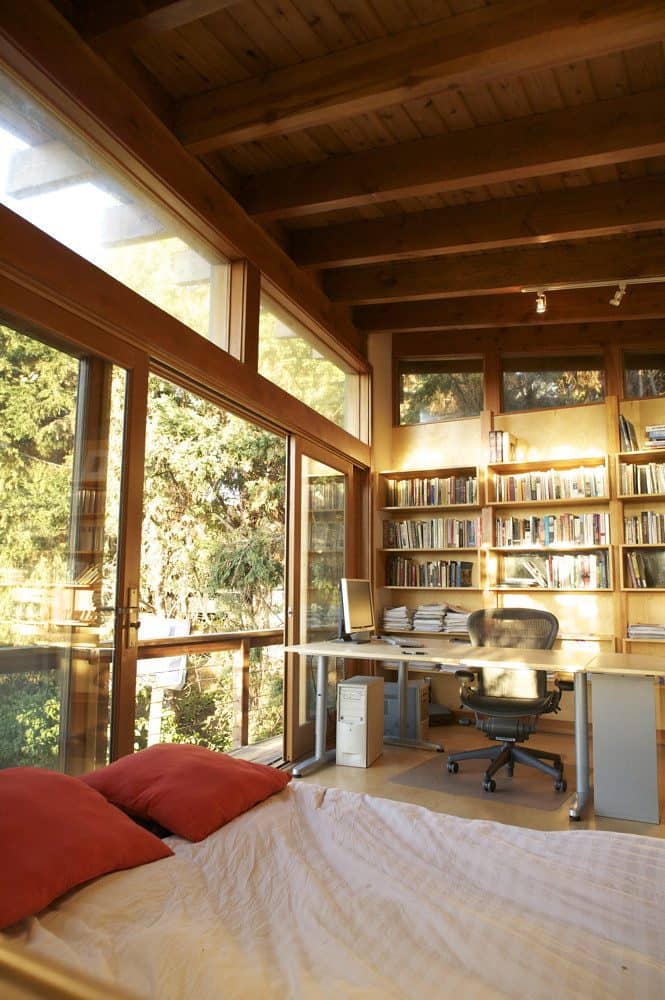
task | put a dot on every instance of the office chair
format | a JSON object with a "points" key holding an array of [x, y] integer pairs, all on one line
{"points": [[507, 703]]}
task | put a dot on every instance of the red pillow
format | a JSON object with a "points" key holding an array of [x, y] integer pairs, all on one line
{"points": [[187, 789], [56, 833]]}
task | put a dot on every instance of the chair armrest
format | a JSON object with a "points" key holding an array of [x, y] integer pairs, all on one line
{"points": [[564, 685], [466, 675]]}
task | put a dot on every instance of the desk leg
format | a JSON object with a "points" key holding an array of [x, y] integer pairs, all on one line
{"points": [[321, 755], [581, 746], [403, 699]]}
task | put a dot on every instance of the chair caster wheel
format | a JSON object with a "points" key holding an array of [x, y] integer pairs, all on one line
{"points": [[560, 785], [453, 767], [489, 785]]}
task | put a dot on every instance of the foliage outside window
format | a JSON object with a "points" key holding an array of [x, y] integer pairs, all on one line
{"points": [[293, 358], [644, 375], [535, 383], [434, 390], [49, 177]]}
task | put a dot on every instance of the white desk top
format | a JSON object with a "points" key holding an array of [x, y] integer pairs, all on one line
{"points": [[628, 663], [454, 655], [449, 655]]}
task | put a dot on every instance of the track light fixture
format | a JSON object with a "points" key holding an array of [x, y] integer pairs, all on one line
{"points": [[617, 298], [541, 302]]}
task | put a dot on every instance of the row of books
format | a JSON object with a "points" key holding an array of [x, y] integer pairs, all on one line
{"points": [[402, 572], [326, 535], [583, 571], [436, 533], [431, 491], [553, 529], [645, 528], [645, 569], [551, 484], [642, 480], [642, 631], [503, 446], [88, 500]]}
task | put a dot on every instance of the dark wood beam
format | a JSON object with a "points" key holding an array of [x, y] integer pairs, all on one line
{"points": [[130, 20], [501, 271], [575, 213], [41, 47], [512, 37], [589, 305], [594, 135], [526, 339]]}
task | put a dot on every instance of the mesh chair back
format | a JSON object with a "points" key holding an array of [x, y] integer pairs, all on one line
{"points": [[520, 628]]}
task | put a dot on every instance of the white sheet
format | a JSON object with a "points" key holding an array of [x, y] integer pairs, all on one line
{"points": [[327, 894]]}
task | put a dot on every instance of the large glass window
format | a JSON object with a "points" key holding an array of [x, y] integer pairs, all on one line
{"points": [[535, 383], [55, 182], [293, 358], [439, 389], [644, 375], [212, 561], [61, 418]]}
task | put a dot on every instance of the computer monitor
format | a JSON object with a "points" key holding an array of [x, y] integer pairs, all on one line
{"points": [[357, 611]]}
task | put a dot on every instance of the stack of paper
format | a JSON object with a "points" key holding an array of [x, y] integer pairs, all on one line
{"points": [[456, 620], [429, 617], [638, 631], [397, 619]]}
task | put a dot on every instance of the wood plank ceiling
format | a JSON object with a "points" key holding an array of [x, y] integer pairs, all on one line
{"points": [[427, 158]]}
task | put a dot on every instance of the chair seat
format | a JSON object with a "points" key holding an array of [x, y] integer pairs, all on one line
{"points": [[506, 707]]}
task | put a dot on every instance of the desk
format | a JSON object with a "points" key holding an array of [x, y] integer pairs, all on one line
{"points": [[432, 659]]}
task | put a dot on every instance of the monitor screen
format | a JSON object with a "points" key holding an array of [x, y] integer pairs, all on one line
{"points": [[357, 606]]}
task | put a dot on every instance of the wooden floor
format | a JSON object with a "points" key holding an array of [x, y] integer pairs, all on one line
{"points": [[375, 780]]}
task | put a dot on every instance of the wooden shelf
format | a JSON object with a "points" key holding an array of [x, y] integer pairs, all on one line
{"points": [[544, 464], [552, 590], [466, 590], [438, 548], [559, 549], [572, 502], [419, 508]]}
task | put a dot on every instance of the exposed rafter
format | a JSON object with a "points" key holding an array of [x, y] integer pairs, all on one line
{"points": [[577, 213], [589, 305], [500, 271], [594, 135], [129, 20], [512, 37]]}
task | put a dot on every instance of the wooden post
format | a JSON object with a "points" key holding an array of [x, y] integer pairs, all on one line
{"points": [[241, 694]]}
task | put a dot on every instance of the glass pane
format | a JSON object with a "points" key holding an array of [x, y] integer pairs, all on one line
{"points": [[428, 393], [295, 360], [61, 421], [542, 383], [49, 177], [323, 504], [203, 705], [212, 561], [644, 375]]}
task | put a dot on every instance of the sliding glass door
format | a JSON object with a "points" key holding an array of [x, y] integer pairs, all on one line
{"points": [[320, 536], [66, 610]]}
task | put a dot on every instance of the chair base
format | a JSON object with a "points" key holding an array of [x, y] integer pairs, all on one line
{"points": [[507, 754]]}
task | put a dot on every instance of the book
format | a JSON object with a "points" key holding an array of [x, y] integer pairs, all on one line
{"points": [[627, 434]]}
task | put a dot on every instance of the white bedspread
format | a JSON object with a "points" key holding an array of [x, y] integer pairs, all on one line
{"points": [[327, 894]]}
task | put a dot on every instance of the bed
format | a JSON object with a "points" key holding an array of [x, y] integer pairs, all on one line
{"points": [[318, 893]]}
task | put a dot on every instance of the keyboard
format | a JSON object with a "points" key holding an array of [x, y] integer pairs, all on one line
{"points": [[404, 642]]}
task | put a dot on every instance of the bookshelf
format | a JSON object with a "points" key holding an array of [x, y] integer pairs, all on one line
{"points": [[544, 534], [431, 535]]}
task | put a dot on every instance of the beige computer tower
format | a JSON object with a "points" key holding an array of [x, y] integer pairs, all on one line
{"points": [[359, 721]]}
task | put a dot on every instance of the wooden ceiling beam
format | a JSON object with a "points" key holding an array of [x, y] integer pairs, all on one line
{"points": [[633, 334], [593, 135], [500, 271], [589, 305], [128, 21], [574, 213], [508, 38]]}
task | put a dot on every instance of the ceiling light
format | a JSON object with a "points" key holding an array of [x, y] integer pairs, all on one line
{"points": [[617, 298], [541, 303]]}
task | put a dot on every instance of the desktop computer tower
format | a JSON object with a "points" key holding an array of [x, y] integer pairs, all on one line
{"points": [[417, 725], [359, 721]]}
